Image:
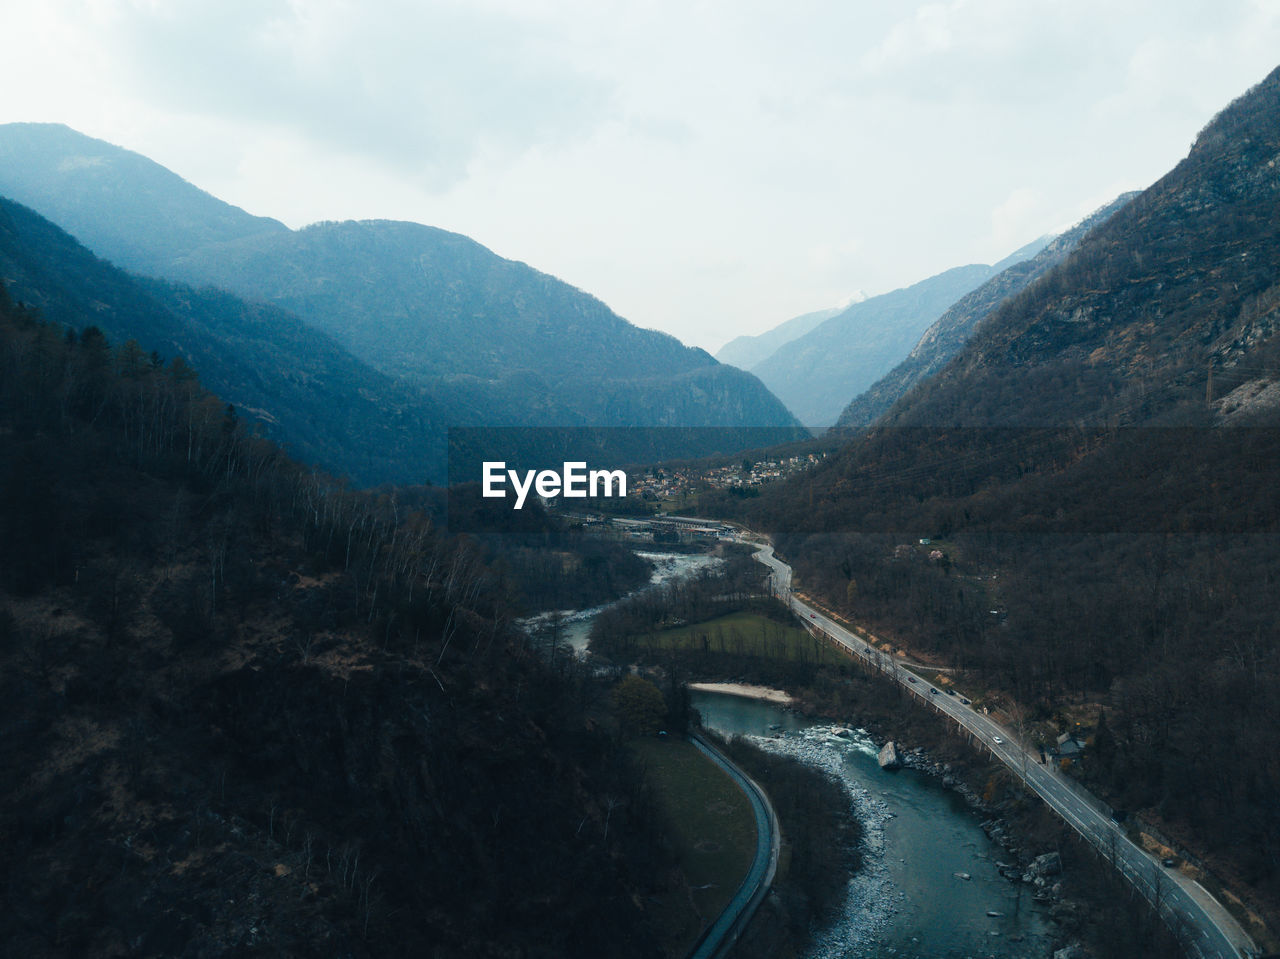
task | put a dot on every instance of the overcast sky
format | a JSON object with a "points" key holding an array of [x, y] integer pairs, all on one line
{"points": [[705, 168]]}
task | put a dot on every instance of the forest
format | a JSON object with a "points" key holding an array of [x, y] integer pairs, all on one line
{"points": [[250, 710], [1132, 571]]}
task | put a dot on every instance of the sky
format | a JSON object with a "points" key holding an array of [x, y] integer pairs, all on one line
{"points": [[705, 168]]}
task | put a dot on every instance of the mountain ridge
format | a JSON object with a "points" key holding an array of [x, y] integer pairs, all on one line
{"points": [[817, 374], [301, 270], [946, 337], [64, 170], [281, 371], [748, 351], [486, 341]]}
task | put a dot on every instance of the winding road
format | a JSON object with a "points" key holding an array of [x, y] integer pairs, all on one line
{"points": [[1204, 925], [720, 936]]}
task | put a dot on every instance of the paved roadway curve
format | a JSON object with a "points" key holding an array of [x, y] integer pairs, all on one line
{"points": [[1209, 930], [724, 932]]}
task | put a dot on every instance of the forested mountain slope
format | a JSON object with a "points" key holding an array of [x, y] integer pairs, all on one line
{"points": [[497, 342], [250, 712], [1097, 469], [300, 386], [945, 338]]}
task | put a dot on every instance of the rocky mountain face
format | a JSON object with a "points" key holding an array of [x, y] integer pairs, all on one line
{"points": [[945, 338], [1179, 282], [486, 341]]}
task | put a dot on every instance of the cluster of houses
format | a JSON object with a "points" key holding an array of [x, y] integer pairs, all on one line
{"points": [[668, 483]]}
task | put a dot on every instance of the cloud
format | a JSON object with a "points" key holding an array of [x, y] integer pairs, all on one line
{"points": [[422, 87], [1008, 52]]}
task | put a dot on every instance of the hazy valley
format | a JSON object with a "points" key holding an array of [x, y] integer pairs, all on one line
{"points": [[267, 691]]}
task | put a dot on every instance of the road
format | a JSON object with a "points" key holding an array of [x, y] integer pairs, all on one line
{"points": [[724, 932], [1209, 930]]}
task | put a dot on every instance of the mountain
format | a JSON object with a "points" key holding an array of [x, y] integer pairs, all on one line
{"points": [[948, 335], [490, 341], [275, 369], [817, 374], [744, 352], [412, 299], [1176, 289], [119, 204], [506, 344], [1096, 469], [249, 711]]}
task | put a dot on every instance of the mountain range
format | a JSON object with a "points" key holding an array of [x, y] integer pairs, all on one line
{"points": [[819, 372], [945, 338], [253, 711], [744, 352], [461, 336]]}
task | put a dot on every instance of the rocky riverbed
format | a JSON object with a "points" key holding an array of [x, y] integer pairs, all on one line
{"points": [[893, 905]]}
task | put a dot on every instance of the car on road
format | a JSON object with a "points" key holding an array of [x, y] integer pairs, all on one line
{"points": [[911, 679], [811, 616], [997, 740], [951, 692], [932, 691]]}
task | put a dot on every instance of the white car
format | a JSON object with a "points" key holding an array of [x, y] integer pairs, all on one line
{"points": [[997, 740]]}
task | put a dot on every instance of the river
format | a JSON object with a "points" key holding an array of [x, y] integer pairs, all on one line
{"points": [[909, 900], [575, 624]]}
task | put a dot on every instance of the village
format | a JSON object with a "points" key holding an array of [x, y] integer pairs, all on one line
{"points": [[662, 483]]}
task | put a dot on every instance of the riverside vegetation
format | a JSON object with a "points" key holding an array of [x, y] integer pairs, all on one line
{"points": [[665, 629]]}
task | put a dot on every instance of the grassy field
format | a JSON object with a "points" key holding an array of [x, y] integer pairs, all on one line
{"points": [[748, 634], [712, 828]]}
